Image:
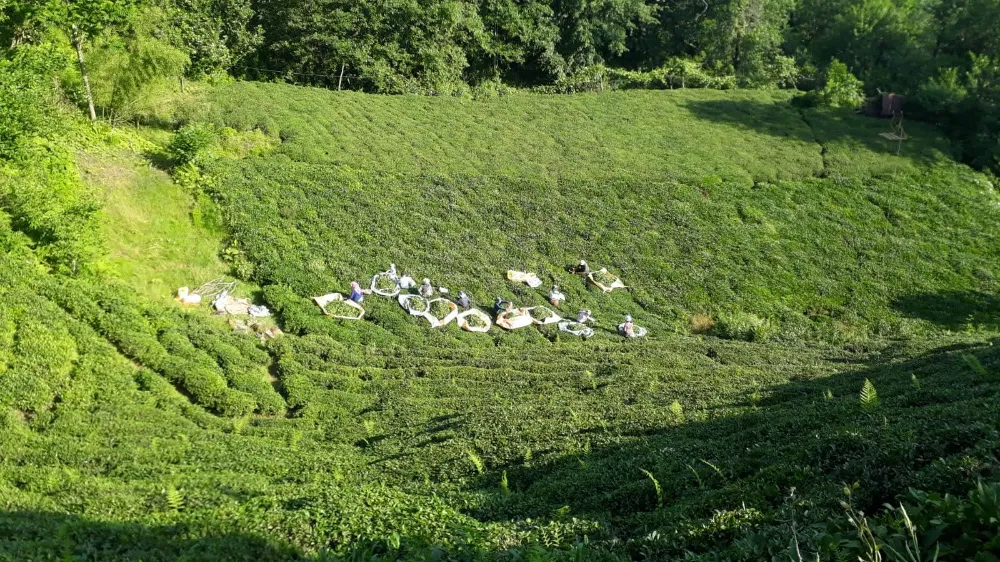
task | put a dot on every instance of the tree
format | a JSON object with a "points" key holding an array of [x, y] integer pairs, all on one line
{"points": [[594, 31], [749, 40], [842, 89], [393, 46], [125, 62], [886, 43], [25, 99], [19, 23], [84, 20], [216, 34]]}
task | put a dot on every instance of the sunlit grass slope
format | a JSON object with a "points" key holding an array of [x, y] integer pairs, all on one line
{"points": [[725, 204]]}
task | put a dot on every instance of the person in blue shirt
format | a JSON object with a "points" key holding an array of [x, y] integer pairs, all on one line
{"points": [[356, 294], [501, 306]]}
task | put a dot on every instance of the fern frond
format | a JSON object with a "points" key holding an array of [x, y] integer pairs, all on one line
{"points": [[175, 498], [656, 486], [476, 461], [869, 397], [973, 362], [677, 411]]}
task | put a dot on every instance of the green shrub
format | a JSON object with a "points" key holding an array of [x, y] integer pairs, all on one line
{"points": [[744, 326], [189, 142], [26, 101], [842, 89], [243, 366], [47, 201]]}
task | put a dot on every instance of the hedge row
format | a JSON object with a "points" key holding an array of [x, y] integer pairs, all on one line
{"points": [[117, 317], [241, 361]]}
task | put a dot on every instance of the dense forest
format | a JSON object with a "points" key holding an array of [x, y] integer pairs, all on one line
{"points": [[944, 55]]}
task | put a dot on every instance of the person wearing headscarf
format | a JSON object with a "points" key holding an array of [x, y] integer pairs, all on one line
{"points": [[628, 328], [500, 306], [356, 294], [555, 297], [426, 290]]}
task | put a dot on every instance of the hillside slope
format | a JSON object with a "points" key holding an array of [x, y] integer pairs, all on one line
{"points": [[707, 203], [851, 292]]}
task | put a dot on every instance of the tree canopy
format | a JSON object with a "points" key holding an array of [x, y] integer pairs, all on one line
{"points": [[941, 53]]}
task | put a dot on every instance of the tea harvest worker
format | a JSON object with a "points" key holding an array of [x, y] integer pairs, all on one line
{"points": [[426, 290], [628, 328], [555, 297], [356, 294], [500, 306], [584, 316], [464, 301]]}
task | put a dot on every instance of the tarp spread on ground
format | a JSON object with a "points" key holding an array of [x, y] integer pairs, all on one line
{"points": [[605, 281], [437, 312], [529, 279], [543, 315], [514, 319], [336, 306], [234, 306], [474, 320], [576, 328], [384, 285], [441, 311], [416, 305]]}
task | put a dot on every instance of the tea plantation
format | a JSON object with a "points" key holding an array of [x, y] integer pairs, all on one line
{"points": [[821, 310]]}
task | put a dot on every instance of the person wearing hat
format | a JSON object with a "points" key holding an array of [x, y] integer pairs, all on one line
{"points": [[584, 316], [628, 328], [555, 297], [406, 282], [581, 269], [426, 290], [356, 294], [464, 301]]}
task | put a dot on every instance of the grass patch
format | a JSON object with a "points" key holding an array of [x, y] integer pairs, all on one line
{"points": [[152, 240]]}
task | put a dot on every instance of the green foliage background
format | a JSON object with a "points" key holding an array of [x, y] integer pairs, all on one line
{"points": [[847, 292]]}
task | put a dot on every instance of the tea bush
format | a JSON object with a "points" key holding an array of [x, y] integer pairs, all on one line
{"points": [[129, 430]]}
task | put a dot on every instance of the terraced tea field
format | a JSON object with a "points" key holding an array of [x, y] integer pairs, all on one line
{"points": [[780, 258]]}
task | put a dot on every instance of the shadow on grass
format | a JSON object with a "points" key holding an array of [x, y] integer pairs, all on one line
{"points": [[936, 428], [824, 125], [954, 310], [159, 160], [36, 535], [33, 535]]}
